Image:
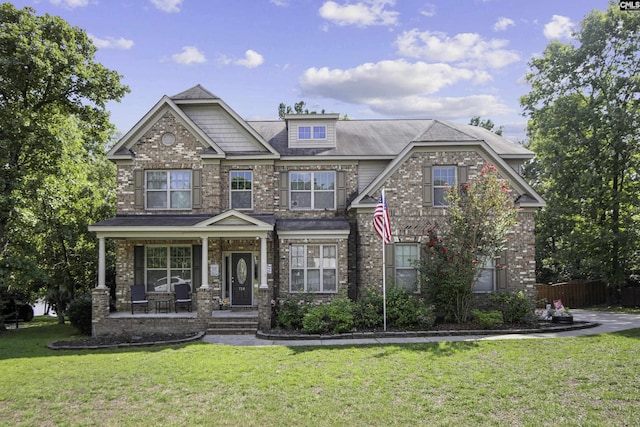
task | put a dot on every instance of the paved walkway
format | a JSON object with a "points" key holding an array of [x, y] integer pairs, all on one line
{"points": [[608, 322]]}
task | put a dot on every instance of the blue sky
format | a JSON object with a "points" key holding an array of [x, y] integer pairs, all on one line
{"points": [[370, 59]]}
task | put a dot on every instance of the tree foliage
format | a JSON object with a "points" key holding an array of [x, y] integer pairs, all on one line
{"points": [[487, 124], [583, 125], [53, 130], [481, 213]]}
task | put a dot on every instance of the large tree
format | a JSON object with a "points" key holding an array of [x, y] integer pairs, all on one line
{"points": [[49, 79], [584, 118]]}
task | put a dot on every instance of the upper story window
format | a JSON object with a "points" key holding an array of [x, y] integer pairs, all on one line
{"points": [[319, 132], [312, 132], [169, 189], [312, 190], [406, 258], [241, 183], [444, 178]]}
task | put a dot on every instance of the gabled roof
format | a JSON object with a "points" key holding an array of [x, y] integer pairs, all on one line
{"points": [[528, 196], [122, 150], [181, 106]]}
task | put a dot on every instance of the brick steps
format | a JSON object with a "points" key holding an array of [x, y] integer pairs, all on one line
{"points": [[238, 324]]}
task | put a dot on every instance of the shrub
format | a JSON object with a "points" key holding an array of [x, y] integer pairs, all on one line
{"points": [[291, 311], [488, 319], [515, 307], [407, 311], [368, 311], [79, 313], [336, 317]]}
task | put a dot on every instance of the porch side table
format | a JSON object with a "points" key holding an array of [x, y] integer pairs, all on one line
{"points": [[163, 305]]}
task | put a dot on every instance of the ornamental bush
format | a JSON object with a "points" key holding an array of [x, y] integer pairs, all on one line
{"points": [[79, 313], [336, 317], [291, 311], [515, 307], [367, 311], [488, 319], [407, 311]]}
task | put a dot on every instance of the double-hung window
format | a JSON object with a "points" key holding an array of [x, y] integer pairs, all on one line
{"points": [[486, 277], [406, 258], [313, 268], [167, 266], [312, 190], [170, 189], [312, 132], [304, 132], [444, 178], [319, 132], [241, 183]]}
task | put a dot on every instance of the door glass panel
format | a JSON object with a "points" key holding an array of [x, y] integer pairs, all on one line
{"points": [[241, 271]]}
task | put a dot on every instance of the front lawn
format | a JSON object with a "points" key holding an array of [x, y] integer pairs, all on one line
{"points": [[574, 381]]}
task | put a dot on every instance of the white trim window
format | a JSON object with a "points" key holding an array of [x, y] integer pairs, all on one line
{"points": [[406, 258], [312, 132], [444, 178], [241, 190], [486, 281], [313, 268], [312, 190], [168, 189], [167, 266]]}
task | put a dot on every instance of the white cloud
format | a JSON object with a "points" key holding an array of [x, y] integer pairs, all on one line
{"points": [[361, 14], [281, 3], [252, 59], [467, 49], [428, 9], [70, 3], [189, 55], [169, 6], [384, 80], [111, 43], [559, 27], [450, 108], [503, 23], [400, 88]]}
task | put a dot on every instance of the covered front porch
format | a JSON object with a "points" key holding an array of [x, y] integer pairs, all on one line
{"points": [[227, 262]]}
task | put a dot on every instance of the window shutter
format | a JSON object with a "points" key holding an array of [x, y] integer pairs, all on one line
{"points": [[341, 185], [138, 265], [462, 175], [427, 193], [501, 273], [196, 192], [390, 261], [284, 190], [138, 188], [196, 271]]}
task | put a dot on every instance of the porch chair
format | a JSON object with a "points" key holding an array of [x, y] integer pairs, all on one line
{"points": [[182, 294], [139, 297]]}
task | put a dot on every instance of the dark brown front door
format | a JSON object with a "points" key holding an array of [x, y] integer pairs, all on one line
{"points": [[241, 284]]}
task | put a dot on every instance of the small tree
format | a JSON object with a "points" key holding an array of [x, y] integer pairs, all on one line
{"points": [[481, 213]]}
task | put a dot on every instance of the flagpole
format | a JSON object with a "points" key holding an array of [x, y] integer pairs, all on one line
{"points": [[384, 266]]}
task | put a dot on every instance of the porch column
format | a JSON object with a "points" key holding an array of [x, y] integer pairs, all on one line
{"points": [[205, 264], [263, 263], [101, 263]]}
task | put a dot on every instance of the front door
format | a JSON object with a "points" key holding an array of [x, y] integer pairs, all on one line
{"points": [[241, 283]]}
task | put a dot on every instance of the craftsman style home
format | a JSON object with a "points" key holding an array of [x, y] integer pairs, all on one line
{"points": [[249, 212]]}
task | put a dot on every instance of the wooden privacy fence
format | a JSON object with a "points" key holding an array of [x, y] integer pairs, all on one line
{"points": [[576, 294]]}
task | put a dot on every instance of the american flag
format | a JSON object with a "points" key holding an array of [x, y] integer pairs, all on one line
{"points": [[381, 221]]}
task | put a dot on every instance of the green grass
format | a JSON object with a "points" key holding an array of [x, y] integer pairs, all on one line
{"points": [[569, 382]]}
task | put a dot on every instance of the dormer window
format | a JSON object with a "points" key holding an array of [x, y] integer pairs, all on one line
{"points": [[311, 130]]}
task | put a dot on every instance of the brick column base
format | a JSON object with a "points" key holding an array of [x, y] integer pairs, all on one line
{"points": [[204, 303], [264, 309], [99, 307]]}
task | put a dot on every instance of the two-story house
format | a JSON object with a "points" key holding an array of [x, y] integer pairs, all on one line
{"points": [[247, 212]]}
